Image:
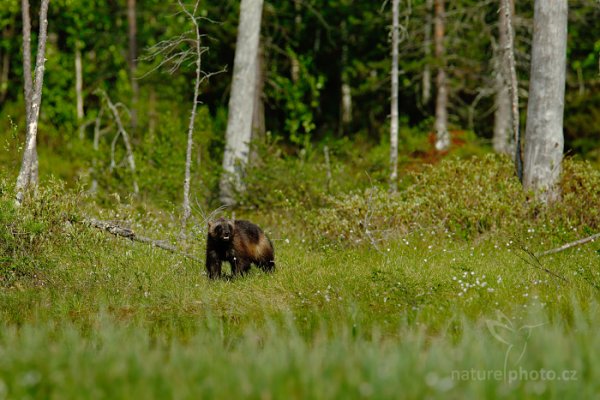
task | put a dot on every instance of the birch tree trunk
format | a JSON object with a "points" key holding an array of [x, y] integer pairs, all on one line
{"points": [[33, 97], [502, 139], [544, 135], [295, 63], [442, 137], [509, 55], [241, 102], [79, 85], [427, 53], [345, 90], [132, 61], [394, 99], [27, 79]]}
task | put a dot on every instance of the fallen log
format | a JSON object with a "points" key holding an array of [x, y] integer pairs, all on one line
{"points": [[127, 233]]}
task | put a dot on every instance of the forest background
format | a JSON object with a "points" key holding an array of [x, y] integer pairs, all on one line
{"points": [[376, 292]]}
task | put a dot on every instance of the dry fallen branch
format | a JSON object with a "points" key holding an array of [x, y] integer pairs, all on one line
{"points": [[569, 245], [127, 233]]}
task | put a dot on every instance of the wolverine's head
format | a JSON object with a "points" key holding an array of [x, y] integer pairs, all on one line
{"points": [[221, 229]]}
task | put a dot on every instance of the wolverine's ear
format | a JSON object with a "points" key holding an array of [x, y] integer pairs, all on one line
{"points": [[231, 223], [210, 226]]}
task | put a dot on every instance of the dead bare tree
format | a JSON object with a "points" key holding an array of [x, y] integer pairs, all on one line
{"points": [[327, 167], [509, 57], [442, 136], [502, 141], [187, 210], [345, 88], [79, 87], [394, 99], [33, 97], [98, 132], [427, 53], [122, 132], [173, 53]]}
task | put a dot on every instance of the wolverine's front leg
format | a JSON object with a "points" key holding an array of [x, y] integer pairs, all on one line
{"points": [[213, 265]]}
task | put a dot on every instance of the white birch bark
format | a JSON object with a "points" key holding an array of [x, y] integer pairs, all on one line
{"points": [[513, 87], [427, 52], [442, 137], [544, 135], [27, 79], [33, 97], [345, 89], [79, 86], [394, 99], [241, 102], [502, 139]]}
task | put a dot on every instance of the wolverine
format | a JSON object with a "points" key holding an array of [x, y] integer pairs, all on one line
{"points": [[241, 243]]}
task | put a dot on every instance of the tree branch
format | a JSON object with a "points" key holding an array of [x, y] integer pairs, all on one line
{"points": [[121, 130], [131, 235], [568, 245]]}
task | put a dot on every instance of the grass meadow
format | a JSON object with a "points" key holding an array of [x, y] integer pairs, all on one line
{"points": [[422, 311]]}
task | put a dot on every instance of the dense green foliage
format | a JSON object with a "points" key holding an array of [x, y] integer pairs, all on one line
{"points": [[330, 42], [376, 295]]}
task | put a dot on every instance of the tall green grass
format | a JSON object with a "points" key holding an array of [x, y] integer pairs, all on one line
{"points": [[413, 311], [116, 360]]}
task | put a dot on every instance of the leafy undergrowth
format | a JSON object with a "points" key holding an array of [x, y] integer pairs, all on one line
{"points": [[422, 310], [468, 198]]}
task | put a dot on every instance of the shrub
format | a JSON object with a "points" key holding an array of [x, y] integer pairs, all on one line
{"points": [[463, 197], [29, 232], [580, 203]]}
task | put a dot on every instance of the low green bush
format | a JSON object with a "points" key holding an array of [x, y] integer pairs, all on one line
{"points": [[30, 231], [465, 198]]}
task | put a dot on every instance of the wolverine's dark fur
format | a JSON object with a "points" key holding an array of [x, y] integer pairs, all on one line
{"points": [[239, 242]]}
